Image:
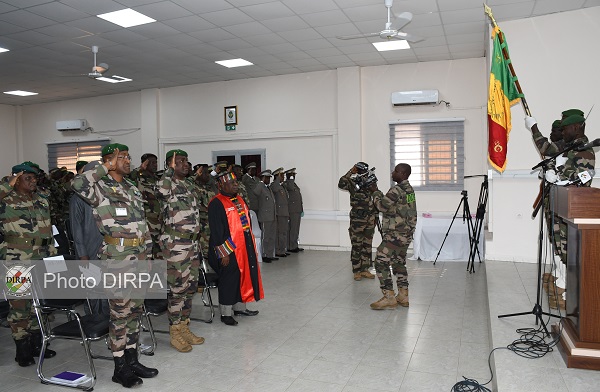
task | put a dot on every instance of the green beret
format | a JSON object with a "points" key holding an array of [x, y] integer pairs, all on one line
{"points": [[572, 112], [573, 120], [23, 168], [110, 148], [80, 164], [31, 164], [557, 124], [178, 152]]}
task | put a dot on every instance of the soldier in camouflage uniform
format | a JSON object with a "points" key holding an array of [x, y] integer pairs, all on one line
{"points": [[243, 191], [362, 221], [399, 209], [205, 193], [179, 243], [146, 178], [25, 224], [119, 212]]}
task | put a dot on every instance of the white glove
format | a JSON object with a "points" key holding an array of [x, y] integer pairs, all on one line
{"points": [[530, 122], [551, 176]]}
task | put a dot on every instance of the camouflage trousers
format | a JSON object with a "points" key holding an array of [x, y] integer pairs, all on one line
{"points": [[392, 253], [560, 238], [20, 317], [203, 241], [361, 238], [125, 313], [183, 269]]}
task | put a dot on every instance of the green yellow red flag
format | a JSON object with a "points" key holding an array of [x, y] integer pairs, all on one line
{"points": [[502, 95]]}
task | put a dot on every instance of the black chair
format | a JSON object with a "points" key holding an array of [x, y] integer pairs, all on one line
{"points": [[155, 308], [207, 281], [85, 329]]}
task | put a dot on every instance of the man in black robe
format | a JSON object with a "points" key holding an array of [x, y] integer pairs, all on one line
{"points": [[232, 251]]}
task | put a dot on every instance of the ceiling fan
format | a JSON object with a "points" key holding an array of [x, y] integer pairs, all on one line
{"points": [[98, 69], [392, 29]]}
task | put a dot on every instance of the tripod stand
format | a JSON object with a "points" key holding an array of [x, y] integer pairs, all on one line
{"points": [[474, 230]]}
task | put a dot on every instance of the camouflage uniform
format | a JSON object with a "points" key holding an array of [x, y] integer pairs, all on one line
{"points": [[576, 162], [362, 223], [109, 197], [25, 223], [250, 183], [399, 208], [243, 191], [147, 184], [179, 243], [204, 194]]}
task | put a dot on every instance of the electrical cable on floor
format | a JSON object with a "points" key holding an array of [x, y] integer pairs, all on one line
{"points": [[471, 385]]}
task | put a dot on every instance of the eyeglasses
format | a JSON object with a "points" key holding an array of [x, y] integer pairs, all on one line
{"points": [[128, 157]]}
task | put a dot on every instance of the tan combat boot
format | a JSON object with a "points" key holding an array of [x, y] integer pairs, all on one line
{"points": [[402, 297], [177, 340], [188, 335], [357, 276], [367, 274], [386, 302]]}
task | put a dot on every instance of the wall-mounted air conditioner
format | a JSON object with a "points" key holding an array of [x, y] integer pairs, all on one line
{"points": [[72, 125], [416, 97]]}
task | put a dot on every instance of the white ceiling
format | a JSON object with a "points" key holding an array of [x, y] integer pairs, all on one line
{"points": [[50, 41]]}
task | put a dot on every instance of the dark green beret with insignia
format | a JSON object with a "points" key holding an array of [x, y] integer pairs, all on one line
{"points": [[557, 124], [110, 148], [178, 152], [23, 168], [31, 164], [80, 164], [573, 120], [572, 112]]}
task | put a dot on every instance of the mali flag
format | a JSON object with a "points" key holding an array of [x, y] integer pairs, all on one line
{"points": [[502, 95]]}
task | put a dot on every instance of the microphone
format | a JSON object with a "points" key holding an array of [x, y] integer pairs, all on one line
{"points": [[592, 144], [583, 177]]}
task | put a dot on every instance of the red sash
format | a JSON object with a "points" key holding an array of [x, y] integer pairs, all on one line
{"points": [[240, 251]]}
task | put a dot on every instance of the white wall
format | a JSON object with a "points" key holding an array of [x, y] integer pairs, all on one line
{"points": [[10, 145], [323, 122]]}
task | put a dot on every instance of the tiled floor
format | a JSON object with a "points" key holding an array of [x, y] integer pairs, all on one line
{"points": [[316, 332]]}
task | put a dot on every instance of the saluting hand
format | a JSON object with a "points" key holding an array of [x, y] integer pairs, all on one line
{"points": [[172, 164], [14, 178], [144, 165], [111, 164]]}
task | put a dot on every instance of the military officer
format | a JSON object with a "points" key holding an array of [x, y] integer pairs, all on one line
{"points": [[363, 215], [266, 216], [180, 246], [399, 209], [282, 212], [250, 181], [146, 179], [295, 208], [25, 224], [119, 212]]}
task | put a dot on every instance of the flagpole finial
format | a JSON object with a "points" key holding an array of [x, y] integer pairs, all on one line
{"points": [[488, 12]]}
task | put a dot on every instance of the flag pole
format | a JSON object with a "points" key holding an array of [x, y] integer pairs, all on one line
{"points": [[488, 12]]}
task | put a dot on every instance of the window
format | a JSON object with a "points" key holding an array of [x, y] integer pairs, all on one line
{"points": [[433, 148], [67, 154]]}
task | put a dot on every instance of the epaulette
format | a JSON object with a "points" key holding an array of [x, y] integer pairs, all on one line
{"points": [[130, 181]]}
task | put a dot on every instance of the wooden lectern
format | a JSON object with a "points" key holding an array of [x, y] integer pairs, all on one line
{"points": [[580, 338]]}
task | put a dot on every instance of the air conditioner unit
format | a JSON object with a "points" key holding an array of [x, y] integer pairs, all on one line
{"points": [[416, 97], [72, 125]]}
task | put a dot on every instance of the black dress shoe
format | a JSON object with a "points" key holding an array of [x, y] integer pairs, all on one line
{"points": [[266, 259], [287, 253], [245, 312], [228, 320], [280, 255], [300, 249], [294, 250]]}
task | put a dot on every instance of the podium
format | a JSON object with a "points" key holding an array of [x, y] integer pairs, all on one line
{"points": [[580, 338]]}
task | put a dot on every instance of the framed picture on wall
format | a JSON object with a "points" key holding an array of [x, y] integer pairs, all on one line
{"points": [[231, 115]]}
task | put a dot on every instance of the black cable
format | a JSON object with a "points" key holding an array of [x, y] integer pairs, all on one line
{"points": [[471, 385], [446, 102]]}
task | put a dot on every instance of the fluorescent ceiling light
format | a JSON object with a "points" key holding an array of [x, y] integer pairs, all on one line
{"points": [[391, 45], [114, 79], [2, 50], [234, 63], [20, 93], [126, 18]]}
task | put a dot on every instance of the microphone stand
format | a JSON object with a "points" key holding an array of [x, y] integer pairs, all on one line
{"points": [[537, 308]]}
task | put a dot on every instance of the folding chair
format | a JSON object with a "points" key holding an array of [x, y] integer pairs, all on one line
{"points": [[86, 329]]}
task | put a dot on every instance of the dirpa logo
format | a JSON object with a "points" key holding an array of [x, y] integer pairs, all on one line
{"points": [[18, 280]]}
